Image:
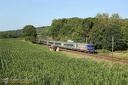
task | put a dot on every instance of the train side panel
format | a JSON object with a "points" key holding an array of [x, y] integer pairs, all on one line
{"points": [[69, 45], [43, 42], [81, 47]]}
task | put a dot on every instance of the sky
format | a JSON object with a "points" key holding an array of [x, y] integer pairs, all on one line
{"points": [[15, 14]]}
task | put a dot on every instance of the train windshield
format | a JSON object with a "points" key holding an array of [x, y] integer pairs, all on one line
{"points": [[90, 47]]}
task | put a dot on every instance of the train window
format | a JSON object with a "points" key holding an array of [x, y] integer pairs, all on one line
{"points": [[51, 42], [90, 46], [68, 44], [57, 43]]}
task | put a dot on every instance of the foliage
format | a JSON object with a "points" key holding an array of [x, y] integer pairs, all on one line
{"points": [[125, 36], [42, 32], [103, 52], [11, 34], [98, 30], [109, 31], [29, 32], [21, 60], [30, 38]]}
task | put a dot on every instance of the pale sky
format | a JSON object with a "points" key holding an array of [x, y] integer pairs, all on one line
{"points": [[15, 14]]}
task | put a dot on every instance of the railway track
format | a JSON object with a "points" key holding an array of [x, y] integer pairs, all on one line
{"points": [[113, 59]]}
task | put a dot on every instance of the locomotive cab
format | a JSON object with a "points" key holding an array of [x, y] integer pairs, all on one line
{"points": [[90, 48]]}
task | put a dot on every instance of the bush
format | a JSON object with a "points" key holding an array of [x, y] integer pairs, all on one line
{"points": [[103, 52], [30, 38]]}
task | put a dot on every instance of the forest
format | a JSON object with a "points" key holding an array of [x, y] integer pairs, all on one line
{"points": [[98, 30]]}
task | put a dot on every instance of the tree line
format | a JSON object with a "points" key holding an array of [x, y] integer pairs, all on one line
{"points": [[11, 34], [98, 30], [28, 32]]}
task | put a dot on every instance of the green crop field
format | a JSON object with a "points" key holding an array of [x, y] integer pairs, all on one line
{"points": [[23, 60]]}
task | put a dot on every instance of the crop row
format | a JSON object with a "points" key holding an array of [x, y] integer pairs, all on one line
{"points": [[20, 60]]}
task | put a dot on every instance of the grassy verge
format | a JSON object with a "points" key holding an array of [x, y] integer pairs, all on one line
{"points": [[119, 54]]}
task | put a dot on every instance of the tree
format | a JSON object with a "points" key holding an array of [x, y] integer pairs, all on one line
{"points": [[29, 32], [115, 16], [125, 37], [111, 30], [101, 16]]}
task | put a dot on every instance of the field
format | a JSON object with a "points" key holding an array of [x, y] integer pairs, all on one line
{"points": [[23, 60], [119, 54]]}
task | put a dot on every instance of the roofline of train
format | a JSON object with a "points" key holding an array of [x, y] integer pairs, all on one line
{"points": [[69, 42]]}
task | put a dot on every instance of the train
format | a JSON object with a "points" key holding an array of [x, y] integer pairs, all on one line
{"points": [[70, 45]]}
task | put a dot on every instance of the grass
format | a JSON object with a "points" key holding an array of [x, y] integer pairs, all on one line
{"points": [[20, 60], [119, 54]]}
